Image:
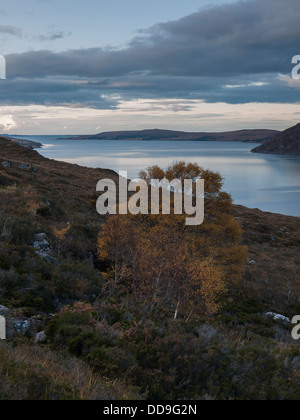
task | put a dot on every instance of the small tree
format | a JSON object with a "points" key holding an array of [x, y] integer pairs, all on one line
{"points": [[164, 262]]}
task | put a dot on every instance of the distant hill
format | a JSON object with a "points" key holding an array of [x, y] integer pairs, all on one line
{"points": [[255, 136], [285, 143]]}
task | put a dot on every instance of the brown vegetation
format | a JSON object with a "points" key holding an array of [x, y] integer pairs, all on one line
{"points": [[105, 328]]}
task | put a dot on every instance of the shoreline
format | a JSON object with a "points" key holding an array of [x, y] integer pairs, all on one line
{"points": [[111, 171], [22, 142]]}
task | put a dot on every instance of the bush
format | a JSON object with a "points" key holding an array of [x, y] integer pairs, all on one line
{"points": [[22, 232]]}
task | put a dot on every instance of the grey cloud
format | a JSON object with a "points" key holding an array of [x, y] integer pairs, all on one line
{"points": [[53, 36], [53, 91], [10, 30], [245, 44], [247, 37], [106, 93]]}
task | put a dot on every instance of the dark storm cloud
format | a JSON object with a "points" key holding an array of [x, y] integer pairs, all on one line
{"points": [[231, 53], [53, 92], [249, 37], [107, 93]]}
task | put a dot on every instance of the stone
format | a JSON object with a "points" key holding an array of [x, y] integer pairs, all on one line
{"points": [[40, 337], [43, 245], [6, 164], [40, 237], [46, 256], [22, 327], [27, 167], [4, 310], [278, 317]]}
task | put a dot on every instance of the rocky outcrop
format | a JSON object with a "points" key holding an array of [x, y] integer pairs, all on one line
{"points": [[24, 166], [42, 247], [40, 337], [278, 317], [20, 325], [27, 167], [6, 164]]}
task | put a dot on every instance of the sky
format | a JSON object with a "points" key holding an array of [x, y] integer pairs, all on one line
{"points": [[83, 67]]}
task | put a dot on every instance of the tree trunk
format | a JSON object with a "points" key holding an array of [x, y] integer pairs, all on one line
{"points": [[176, 310]]}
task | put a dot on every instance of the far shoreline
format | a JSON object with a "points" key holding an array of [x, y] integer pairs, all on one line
{"points": [[39, 146]]}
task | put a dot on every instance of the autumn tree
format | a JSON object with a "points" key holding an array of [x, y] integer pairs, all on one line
{"points": [[164, 262]]}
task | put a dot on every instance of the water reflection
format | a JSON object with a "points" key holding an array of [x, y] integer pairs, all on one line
{"points": [[268, 182]]}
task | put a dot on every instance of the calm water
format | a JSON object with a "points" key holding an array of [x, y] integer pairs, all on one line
{"points": [[268, 182]]}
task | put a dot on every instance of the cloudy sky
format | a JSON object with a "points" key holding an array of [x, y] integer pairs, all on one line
{"points": [[76, 67]]}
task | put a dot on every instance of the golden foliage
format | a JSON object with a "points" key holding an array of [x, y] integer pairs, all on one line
{"points": [[165, 262], [61, 233]]}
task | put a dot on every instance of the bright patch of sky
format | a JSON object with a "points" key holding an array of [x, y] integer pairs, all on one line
{"points": [[73, 24]]}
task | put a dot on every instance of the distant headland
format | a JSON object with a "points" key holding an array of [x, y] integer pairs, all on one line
{"points": [[249, 136], [284, 143]]}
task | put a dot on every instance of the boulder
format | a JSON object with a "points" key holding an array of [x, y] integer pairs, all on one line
{"points": [[41, 245], [40, 337], [40, 237], [278, 317], [6, 164], [23, 326], [27, 167]]}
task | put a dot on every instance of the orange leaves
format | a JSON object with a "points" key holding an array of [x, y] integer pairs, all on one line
{"points": [[61, 234], [159, 263], [164, 262]]}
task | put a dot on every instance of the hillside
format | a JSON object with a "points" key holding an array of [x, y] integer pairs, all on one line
{"points": [[254, 136], [25, 143], [99, 341], [285, 143]]}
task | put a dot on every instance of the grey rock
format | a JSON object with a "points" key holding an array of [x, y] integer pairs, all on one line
{"points": [[6, 164], [4, 310], [40, 237], [40, 337], [47, 257], [27, 167], [43, 245], [278, 317], [30, 326], [22, 327]]}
